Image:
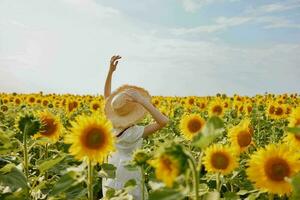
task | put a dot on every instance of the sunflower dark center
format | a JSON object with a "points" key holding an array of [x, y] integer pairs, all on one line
{"points": [[220, 160], [202, 105], [244, 138], [226, 105], [288, 110], [241, 109], [49, 127], [271, 109], [94, 138], [249, 109], [45, 103], [217, 109], [167, 163], [194, 125], [96, 106], [279, 111], [276, 169], [191, 101], [72, 105]]}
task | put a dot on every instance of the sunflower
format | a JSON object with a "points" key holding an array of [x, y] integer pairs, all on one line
{"points": [[91, 137], [170, 111], [190, 125], [216, 108], [4, 108], [39, 100], [201, 104], [294, 121], [57, 103], [5, 100], [249, 108], [238, 98], [17, 101], [31, 99], [71, 105], [27, 123], [51, 126], [276, 110], [226, 103], [164, 110], [280, 112], [220, 159], [95, 106], [167, 168], [241, 135], [156, 102], [45, 102], [190, 101], [268, 168], [237, 106]]}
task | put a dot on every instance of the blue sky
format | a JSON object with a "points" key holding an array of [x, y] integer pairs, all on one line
{"points": [[170, 47]]}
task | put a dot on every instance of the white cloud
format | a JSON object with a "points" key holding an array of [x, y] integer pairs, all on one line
{"points": [[221, 23], [277, 22], [275, 7], [258, 15], [194, 5]]}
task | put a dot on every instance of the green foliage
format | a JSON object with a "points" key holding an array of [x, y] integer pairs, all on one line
{"points": [[13, 177], [166, 194], [213, 129], [295, 130], [68, 186], [107, 171], [296, 187], [50, 162]]}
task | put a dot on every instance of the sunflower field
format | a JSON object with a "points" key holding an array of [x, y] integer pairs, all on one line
{"points": [[215, 147]]}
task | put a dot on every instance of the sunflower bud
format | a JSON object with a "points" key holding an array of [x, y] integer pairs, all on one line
{"points": [[29, 124], [140, 157]]}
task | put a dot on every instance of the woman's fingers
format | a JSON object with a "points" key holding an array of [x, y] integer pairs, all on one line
{"points": [[114, 59]]}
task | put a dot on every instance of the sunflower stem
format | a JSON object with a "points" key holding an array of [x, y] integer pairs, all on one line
{"points": [[143, 183], [46, 156], [25, 151], [199, 168], [271, 196], [195, 174], [90, 180], [218, 182]]}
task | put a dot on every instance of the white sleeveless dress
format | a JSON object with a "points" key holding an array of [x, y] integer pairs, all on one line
{"points": [[130, 140]]}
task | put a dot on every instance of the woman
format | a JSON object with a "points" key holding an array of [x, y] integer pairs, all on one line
{"points": [[125, 107]]}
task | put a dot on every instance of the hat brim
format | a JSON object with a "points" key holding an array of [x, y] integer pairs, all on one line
{"points": [[132, 117]]}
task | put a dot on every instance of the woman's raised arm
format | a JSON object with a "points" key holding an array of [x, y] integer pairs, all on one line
{"points": [[113, 65], [161, 120]]}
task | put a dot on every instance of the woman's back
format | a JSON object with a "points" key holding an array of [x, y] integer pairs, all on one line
{"points": [[130, 140]]}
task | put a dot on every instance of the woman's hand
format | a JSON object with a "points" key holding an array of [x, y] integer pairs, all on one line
{"points": [[135, 96], [114, 62]]}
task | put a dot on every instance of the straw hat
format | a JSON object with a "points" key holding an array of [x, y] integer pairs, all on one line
{"points": [[121, 111]]}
